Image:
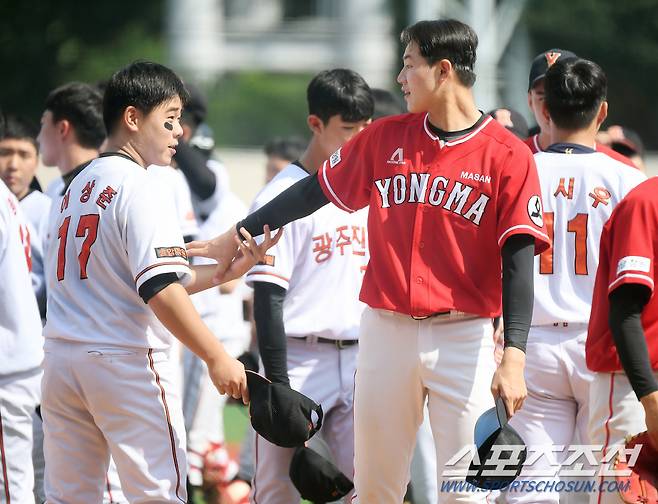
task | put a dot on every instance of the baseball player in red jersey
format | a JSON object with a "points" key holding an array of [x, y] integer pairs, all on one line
{"points": [[452, 196], [580, 188], [622, 341], [540, 141], [115, 272]]}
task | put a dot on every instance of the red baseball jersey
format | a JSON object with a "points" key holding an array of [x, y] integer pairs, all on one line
{"points": [[629, 246], [439, 211], [533, 143]]}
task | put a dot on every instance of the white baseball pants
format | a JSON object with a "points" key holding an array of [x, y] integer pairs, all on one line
{"points": [[615, 413], [401, 361], [556, 409], [326, 375], [100, 400], [19, 396]]}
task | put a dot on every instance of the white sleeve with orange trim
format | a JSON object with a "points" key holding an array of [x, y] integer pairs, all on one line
{"points": [[152, 237], [280, 259], [631, 246]]}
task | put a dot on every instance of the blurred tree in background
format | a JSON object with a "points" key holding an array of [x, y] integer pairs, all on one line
{"points": [[44, 44], [622, 37]]}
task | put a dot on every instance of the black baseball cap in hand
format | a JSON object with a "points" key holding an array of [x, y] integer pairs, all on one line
{"points": [[280, 414], [316, 478], [543, 62], [501, 450]]}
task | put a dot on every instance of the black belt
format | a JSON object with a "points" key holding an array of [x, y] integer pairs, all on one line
{"points": [[338, 343]]}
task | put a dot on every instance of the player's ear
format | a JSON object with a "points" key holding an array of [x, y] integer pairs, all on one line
{"points": [[315, 124], [63, 127], [442, 69], [544, 112], [131, 118], [603, 113]]}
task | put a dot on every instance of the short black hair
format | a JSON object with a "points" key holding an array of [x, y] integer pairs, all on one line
{"points": [[340, 92], [20, 128], [80, 104], [143, 85], [574, 89], [289, 148], [445, 39], [386, 104]]}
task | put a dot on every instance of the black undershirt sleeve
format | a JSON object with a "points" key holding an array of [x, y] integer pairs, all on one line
{"points": [[625, 319], [270, 332], [154, 285], [194, 165], [518, 289], [299, 200]]}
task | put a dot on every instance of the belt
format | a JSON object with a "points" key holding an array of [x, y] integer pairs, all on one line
{"points": [[338, 343], [448, 315]]}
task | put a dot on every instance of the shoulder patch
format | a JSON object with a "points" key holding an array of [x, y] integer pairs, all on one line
{"points": [[535, 211], [171, 252], [634, 263], [334, 159]]}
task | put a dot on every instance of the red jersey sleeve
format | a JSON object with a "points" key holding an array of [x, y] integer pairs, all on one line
{"points": [[346, 177], [631, 252], [520, 209]]}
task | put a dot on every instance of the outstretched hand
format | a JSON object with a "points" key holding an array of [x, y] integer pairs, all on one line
{"points": [[234, 256]]}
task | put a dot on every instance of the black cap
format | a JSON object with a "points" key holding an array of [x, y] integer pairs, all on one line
{"points": [[316, 478], [543, 62], [197, 104], [492, 430], [280, 414], [512, 120]]}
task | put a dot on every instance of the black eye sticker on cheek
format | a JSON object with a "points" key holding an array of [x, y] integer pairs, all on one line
{"points": [[169, 126]]}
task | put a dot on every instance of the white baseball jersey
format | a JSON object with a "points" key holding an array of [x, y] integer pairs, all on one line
{"points": [[579, 191], [20, 325], [180, 196], [203, 208], [54, 189], [222, 312], [317, 260], [115, 229], [36, 207]]}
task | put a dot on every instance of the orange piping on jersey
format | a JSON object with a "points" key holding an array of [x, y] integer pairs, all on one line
{"points": [[607, 427], [4, 463], [271, 274], [168, 418], [168, 263]]}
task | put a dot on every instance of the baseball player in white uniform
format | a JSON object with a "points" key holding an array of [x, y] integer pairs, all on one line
{"points": [[580, 188], [222, 310], [20, 354], [318, 263], [18, 165], [108, 386]]}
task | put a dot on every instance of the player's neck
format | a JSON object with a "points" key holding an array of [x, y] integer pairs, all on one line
{"points": [[544, 140], [313, 157], [586, 137], [74, 156], [117, 144], [454, 111]]}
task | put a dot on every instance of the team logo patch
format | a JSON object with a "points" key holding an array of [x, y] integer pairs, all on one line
{"points": [[269, 261], [552, 57], [634, 263], [535, 211], [334, 159], [397, 157], [161, 252]]}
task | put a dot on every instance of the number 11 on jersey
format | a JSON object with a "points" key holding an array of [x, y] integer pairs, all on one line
{"points": [[577, 226]]}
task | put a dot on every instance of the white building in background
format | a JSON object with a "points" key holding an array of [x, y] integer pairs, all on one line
{"points": [[210, 37]]}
